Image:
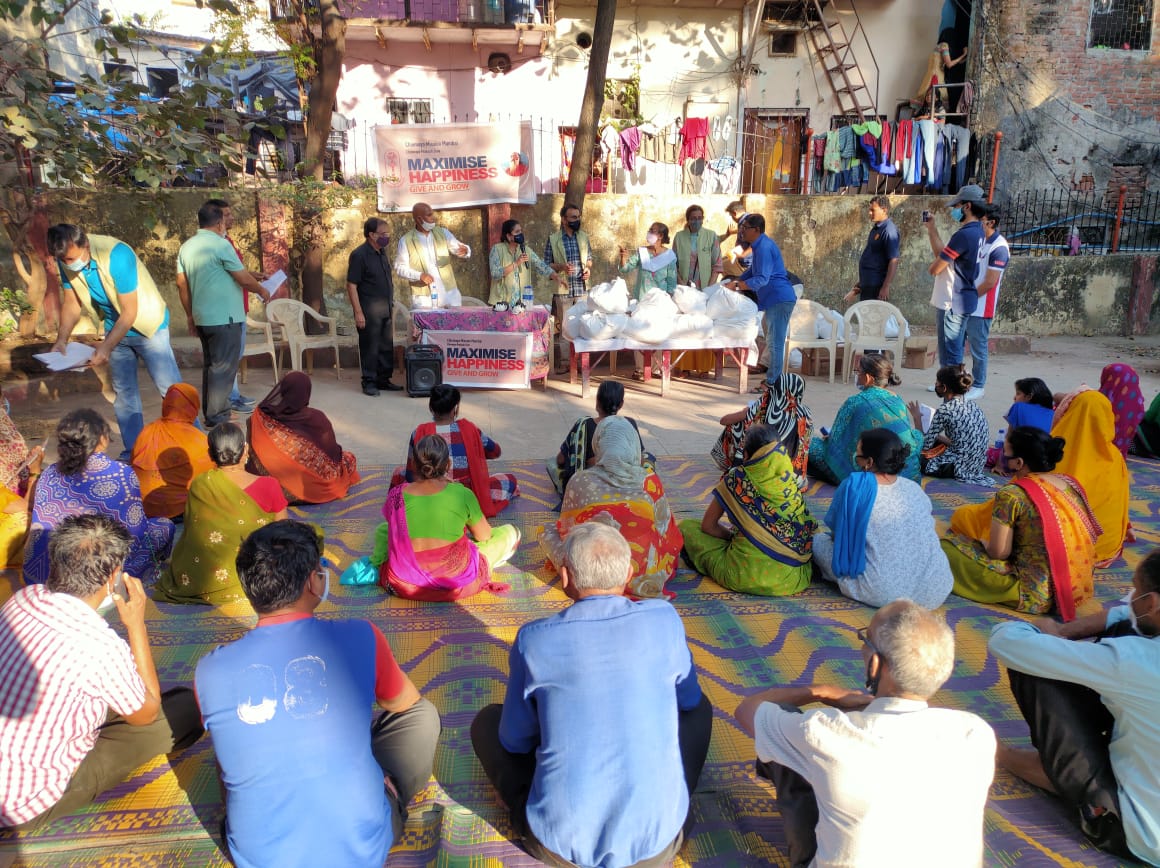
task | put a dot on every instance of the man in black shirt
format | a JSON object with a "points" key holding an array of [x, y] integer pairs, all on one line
{"points": [[880, 257], [372, 296]]}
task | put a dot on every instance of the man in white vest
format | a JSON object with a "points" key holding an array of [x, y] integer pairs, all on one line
{"points": [[424, 260], [103, 278]]}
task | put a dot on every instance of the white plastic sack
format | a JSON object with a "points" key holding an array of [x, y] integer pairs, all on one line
{"points": [[596, 325], [824, 328], [572, 317], [692, 325], [729, 305], [735, 333], [689, 299], [891, 327], [609, 297], [652, 321]]}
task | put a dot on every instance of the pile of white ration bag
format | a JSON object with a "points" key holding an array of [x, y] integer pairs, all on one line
{"points": [[717, 316]]}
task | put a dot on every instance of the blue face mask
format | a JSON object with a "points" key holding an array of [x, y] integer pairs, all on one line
{"points": [[861, 386], [957, 215]]}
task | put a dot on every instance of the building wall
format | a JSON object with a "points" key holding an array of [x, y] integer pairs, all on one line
{"points": [[1066, 111]]}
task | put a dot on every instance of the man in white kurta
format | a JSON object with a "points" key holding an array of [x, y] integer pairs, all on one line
{"points": [[423, 259]]}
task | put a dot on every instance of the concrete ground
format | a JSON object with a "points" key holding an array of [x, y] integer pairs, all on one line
{"points": [[532, 423]]}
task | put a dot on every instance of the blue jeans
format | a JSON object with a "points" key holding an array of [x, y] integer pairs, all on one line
{"points": [[954, 333], [235, 394], [978, 333], [776, 328], [162, 367]]}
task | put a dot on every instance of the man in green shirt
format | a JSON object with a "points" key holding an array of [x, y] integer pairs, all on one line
{"points": [[211, 281]]}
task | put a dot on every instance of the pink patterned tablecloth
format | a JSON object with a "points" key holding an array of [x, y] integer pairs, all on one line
{"points": [[535, 321]]}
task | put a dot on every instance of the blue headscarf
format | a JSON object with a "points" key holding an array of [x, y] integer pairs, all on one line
{"points": [[848, 517]]}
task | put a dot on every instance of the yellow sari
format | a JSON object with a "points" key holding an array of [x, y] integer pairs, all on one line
{"points": [[1088, 426]]}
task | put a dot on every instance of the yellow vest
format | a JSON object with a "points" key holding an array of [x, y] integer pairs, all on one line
{"points": [[558, 254], [150, 305], [415, 249], [708, 252]]}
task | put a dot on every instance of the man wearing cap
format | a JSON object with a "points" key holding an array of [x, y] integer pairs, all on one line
{"points": [[993, 258], [961, 256]]}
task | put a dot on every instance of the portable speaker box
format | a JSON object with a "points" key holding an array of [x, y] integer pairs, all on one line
{"points": [[424, 365]]}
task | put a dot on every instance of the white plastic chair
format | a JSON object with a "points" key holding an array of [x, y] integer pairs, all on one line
{"points": [[401, 329], [803, 332], [289, 314], [259, 341], [865, 329]]}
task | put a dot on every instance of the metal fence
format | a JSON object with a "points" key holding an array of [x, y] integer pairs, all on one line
{"points": [[1044, 222]]}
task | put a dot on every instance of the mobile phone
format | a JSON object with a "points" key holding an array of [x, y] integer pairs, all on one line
{"points": [[925, 216], [120, 588]]}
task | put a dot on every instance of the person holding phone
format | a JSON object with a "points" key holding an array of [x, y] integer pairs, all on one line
{"points": [[80, 707]]}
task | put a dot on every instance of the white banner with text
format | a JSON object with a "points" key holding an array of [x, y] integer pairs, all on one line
{"points": [[486, 360], [454, 165]]}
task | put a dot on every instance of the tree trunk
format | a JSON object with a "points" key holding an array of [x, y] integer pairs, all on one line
{"points": [[329, 50], [593, 102]]}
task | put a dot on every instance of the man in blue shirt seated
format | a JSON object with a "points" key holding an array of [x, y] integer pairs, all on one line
{"points": [[311, 774], [766, 276], [1094, 713], [604, 729]]}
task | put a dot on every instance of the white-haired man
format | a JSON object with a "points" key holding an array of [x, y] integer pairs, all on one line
{"points": [[878, 779], [604, 729]]}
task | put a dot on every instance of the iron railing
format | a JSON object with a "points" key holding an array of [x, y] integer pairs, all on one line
{"points": [[1041, 222]]}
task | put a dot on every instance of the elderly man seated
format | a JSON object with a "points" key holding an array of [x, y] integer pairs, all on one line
{"points": [[880, 779], [1094, 713], [80, 707], [604, 729]]}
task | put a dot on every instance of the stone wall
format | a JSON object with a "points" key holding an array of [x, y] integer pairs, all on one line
{"points": [[821, 238]]}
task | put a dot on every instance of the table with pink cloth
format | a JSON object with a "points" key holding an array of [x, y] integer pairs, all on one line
{"points": [[535, 321]]}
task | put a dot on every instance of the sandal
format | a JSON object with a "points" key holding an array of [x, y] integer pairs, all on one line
{"points": [[638, 374]]}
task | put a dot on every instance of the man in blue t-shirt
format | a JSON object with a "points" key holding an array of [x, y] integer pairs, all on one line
{"points": [[311, 776], [879, 261], [102, 277], [961, 254], [766, 276], [604, 729]]}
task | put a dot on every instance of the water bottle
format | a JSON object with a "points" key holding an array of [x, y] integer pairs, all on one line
{"points": [[434, 296], [1001, 439], [529, 297]]}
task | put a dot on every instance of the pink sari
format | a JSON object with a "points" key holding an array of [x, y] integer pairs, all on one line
{"points": [[451, 572]]}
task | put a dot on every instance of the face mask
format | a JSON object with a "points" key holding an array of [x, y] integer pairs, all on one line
{"points": [[382, 240], [573, 225], [652, 238], [1132, 619], [428, 225], [695, 226], [326, 586], [518, 239], [79, 265], [957, 215]]}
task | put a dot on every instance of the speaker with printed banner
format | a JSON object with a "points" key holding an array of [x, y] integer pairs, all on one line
{"points": [[424, 366]]}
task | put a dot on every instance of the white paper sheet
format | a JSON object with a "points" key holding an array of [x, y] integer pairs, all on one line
{"points": [[74, 356], [275, 280]]}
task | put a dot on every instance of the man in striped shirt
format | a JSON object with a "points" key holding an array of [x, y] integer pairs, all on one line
{"points": [[63, 669]]}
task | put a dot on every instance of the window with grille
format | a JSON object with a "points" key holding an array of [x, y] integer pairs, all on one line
{"points": [[162, 81], [409, 111], [783, 43], [1125, 25]]}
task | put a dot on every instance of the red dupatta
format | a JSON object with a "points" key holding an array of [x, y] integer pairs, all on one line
{"points": [[477, 478], [1066, 559]]}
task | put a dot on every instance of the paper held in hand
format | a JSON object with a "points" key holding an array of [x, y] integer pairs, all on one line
{"points": [[274, 281], [74, 356], [926, 413]]}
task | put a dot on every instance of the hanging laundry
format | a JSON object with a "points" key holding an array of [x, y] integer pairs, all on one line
{"points": [[721, 176], [629, 145], [694, 139]]}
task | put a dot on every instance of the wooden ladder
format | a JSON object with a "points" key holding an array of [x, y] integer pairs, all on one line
{"points": [[834, 49]]}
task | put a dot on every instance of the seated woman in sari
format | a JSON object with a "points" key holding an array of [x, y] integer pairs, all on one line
{"points": [[831, 457], [577, 450], [170, 453], [470, 449], [882, 544], [295, 444], [422, 549], [225, 505], [620, 492], [955, 444], [767, 551], [783, 409], [86, 480], [1034, 405], [19, 469], [1120, 384], [1038, 553]]}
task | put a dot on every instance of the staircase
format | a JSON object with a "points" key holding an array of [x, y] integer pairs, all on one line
{"points": [[855, 92]]}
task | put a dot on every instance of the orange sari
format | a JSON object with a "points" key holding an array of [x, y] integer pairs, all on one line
{"points": [[306, 472], [170, 453]]}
